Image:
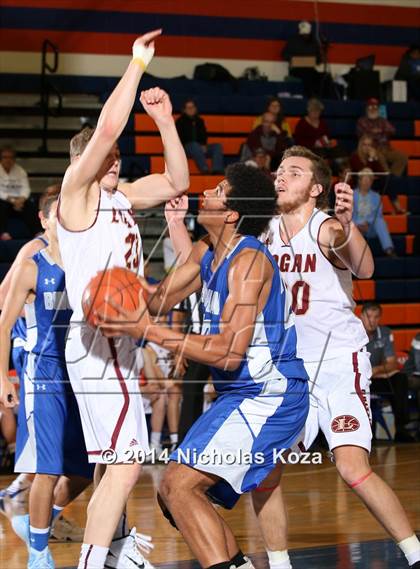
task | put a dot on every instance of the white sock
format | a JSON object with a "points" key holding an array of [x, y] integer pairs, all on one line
{"points": [[155, 438], [279, 559], [122, 528], [411, 549], [174, 438], [92, 556]]}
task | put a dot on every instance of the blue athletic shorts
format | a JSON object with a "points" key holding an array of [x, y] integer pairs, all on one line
{"points": [[49, 435], [238, 439]]}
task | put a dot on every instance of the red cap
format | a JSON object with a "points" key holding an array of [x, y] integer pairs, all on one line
{"points": [[372, 101]]}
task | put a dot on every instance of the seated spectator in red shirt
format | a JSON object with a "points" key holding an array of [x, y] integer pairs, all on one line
{"points": [[367, 156], [381, 131], [312, 131], [265, 137]]}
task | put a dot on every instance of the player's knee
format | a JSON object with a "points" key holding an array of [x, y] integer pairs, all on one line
{"points": [[173, 485], [351, 470], [47, 479], [125, 476], [167, 487]]}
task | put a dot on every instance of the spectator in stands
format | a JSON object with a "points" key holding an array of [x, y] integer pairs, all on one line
{"points": [[381, 131], [300, 47], [280, 124], [367, 212], [409, 70], [193, 134], [264, 136], [412, 369], [261, 160], [312, 131], [368, 156], [14, 194], [387, 379]]}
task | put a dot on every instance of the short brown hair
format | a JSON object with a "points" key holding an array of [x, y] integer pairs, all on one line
{"points": [[80, 140], [320, 170], [49, 192], [46, 205]]}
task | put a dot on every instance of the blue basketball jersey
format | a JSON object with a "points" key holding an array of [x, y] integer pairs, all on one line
{"points": [[272, 350], [19, 328], [48, 317]]}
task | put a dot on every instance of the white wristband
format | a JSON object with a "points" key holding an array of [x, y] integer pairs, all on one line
{"points": [[143, 55]]}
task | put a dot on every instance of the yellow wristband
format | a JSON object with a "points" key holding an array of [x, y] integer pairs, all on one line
{"points": [[140, 63]]}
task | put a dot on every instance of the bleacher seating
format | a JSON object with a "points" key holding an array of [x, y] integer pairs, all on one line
{"points": [[229, 110]]}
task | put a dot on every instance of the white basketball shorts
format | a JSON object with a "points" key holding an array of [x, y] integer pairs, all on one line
{"points": [[104, 375], [339, 402]]}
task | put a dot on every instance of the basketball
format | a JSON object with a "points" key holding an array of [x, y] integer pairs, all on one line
{"points": [[117, 284]]}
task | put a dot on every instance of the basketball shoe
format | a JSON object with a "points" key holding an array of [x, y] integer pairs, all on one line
{"points": [[63, 530], [247, 565], [14, 498], [40, 559], [124, 552]]}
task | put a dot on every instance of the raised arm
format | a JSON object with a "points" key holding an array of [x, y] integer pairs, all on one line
{"points": [[158, 188], [341, 240], [23, 282], [175, 211], [112, 120], [249, 281]]}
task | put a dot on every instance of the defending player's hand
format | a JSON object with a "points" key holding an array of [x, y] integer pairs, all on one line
{"points": [[175, 210], [343, 203], [8, 395], [157, 104], [144, 48], [126, 323]]}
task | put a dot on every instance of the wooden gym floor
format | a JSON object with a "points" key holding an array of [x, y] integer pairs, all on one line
{"points": [[328, 527]]}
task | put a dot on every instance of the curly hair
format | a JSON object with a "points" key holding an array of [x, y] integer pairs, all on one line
{"points": [[253, 196], [321, 172]]}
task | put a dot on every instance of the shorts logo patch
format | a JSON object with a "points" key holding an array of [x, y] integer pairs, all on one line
{"points": [[344, 424]]}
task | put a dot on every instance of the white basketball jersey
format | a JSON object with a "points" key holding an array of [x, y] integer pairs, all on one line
{"points": [[113, 240], [321, 293]]}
